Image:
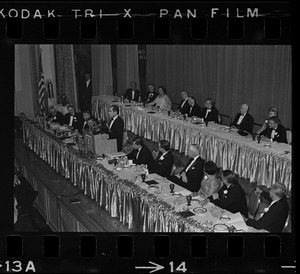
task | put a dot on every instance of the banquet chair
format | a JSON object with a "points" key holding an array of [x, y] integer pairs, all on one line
{"points": [[289, 136], [125, 137], [253, 205], [173, 169]]}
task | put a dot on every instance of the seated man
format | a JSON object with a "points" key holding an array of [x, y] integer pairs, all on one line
{"points": [[116, 126], [191, 176], [209, 112], [275, 131], [141, 154], [243, 120], [55, 116], [86, 115], [132, 93], [72, 119], [195, 109], [276, 214], [230, 196], [151, 94], [184, 107], [164, 160]]}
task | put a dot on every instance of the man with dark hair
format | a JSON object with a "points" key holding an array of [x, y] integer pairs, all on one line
{"points": [[184, 107], [92, 126], [86, 115], [243, 120], [276, 214], [141, 154], [275, 131], [85, 95], [116, 126], [132, 93], [55, 116], [209, 112], [164, 161], [191, 176], [195, 109], [72, 119]]}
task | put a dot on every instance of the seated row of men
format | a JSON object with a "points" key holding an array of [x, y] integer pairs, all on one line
{"points": [[212, 183], [243, 120]]}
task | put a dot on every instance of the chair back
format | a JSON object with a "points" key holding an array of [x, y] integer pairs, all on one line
{"points": [[219, 119], [125, 137], [254, 201], [289, 136], [173, 169]]}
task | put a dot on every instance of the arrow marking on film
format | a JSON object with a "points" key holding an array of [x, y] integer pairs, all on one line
{"points": [[156, 267]]}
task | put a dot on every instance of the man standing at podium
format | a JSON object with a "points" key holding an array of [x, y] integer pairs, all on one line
{"points": [[116, 126]]}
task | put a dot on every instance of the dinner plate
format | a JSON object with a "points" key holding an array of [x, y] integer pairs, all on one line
{"points": [[220, 228], [199, 210]]}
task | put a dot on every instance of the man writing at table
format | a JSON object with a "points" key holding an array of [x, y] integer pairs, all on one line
{"points": [[141, 154], [164, 160], [116, 126], [191, 176], [276, 214]]}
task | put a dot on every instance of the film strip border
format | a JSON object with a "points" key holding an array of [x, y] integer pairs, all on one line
{"points": [[143, 23], [127, 254]]}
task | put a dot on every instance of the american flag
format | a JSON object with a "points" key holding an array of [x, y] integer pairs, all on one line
{"points": [[42, 89]]}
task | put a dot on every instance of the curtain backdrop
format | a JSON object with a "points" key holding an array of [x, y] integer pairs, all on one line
{"points": [[102, 70], [65, 73], [127, 67], [258, 75]]}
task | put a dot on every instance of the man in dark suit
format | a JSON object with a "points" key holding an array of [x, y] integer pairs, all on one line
{"points": [[116, 126], [85, 94], [132, 93], [164, 160], [275, 131], [72, 119], [184, 107], [195, 109], [151, 94], [86, 115], [243, 120], [230, 196], [191, 176], [55, 116], [276, 214], [209, 112], [141, 154]]}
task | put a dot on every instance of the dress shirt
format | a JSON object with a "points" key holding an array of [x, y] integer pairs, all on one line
{"points": [[240, 119], [137, 155], [162, 156], [111, 123], [191, 163], [273, 133], [84, 125], [183, 102], [191, 109], [132, 94], [207, 111], [88, 82], [71, 120]]}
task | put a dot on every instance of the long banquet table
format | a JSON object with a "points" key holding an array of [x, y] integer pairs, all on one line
{"points": [[262, 164], [122, 193]]}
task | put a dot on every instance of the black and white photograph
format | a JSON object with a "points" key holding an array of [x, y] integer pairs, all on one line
{"points": [[153, 138]]}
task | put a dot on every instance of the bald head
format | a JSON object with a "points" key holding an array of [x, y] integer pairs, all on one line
{"points": [[244, 108]]}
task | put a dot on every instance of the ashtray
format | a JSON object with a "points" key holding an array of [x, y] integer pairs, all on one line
{"points": [[225, 218], [199, 210]]}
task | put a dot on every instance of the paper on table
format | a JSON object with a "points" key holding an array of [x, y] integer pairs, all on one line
{"points": [[184, 192], [115, 154], [238, 222]]}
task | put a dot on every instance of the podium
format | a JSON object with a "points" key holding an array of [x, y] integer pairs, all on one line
{"points": [[99, 143]]}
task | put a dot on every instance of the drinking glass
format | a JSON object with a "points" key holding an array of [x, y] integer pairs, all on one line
{"points": [[172, 186], [253, 136], [258, 138], [189, 199], [143, 175]]}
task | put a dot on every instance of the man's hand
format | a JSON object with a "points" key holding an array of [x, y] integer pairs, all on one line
{"points": [[215, 196]]}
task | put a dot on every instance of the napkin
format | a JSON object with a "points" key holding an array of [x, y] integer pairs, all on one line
{"points": [[238, 222]]}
